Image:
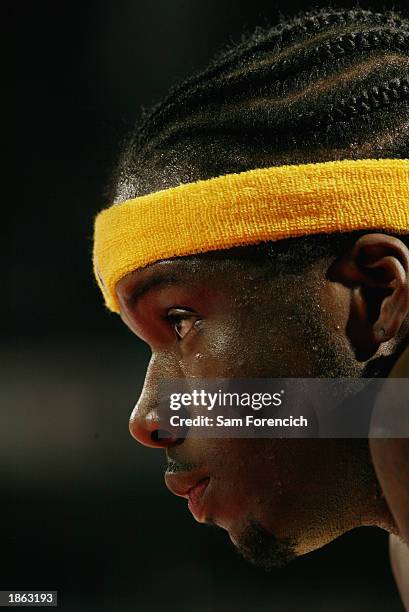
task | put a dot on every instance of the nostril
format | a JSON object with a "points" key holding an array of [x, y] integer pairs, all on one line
{"points": [[161, 436]]}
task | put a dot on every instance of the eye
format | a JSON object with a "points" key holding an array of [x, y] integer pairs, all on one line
{"points": [[182, 321]]}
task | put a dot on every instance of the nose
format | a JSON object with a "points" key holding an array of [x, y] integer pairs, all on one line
{"points": [[148, 430], [148, 423]]}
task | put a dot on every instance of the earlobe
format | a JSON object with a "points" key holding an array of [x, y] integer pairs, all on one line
{"points": [[376, 269]]}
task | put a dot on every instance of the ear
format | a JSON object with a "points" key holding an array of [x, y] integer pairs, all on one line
{"points": [[376, 269]]}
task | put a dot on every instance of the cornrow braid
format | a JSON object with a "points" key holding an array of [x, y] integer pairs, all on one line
{"points": [[281, 78], [279, 37], [396, 90], [281, 61]]}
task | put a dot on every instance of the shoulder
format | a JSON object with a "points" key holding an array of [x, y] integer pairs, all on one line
{"points": [[390, 456], [399, 554]]}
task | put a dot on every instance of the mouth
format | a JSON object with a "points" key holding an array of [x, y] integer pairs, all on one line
{"points": [[193, 487]]}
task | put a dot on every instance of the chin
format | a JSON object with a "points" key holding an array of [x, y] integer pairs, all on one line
{"points": [[261, 548], [266, 550]]}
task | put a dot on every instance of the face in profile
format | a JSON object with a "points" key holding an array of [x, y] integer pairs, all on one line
{"points": [[230, 315], [327, 86]]}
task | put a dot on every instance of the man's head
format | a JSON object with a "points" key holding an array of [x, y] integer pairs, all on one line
{"points": [[328, 86]]}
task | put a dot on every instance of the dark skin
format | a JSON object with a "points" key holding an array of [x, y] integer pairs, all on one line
{"points": [[391, 461], [223, 315]]}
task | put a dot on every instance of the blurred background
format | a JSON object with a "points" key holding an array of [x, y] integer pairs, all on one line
{"points": [[83, 508]]}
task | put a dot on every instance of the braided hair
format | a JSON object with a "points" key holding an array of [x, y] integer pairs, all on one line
{"points": [[326, 85]]}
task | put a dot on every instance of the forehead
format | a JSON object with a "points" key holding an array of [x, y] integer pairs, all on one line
{"points": [[214, 267]]}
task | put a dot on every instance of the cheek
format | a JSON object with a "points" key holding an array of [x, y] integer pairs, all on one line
{"points": [[263, 476], [251, 468], [258, 342], [214, 353], [246, 351], [240, 347], [336, 299]]}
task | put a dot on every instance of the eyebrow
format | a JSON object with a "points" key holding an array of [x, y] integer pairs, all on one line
{"points": [[155, 281]]}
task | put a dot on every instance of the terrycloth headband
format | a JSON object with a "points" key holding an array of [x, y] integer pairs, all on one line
{"points": [[246, 208]]}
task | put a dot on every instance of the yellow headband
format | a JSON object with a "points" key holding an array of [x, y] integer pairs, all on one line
{"points": [[246, 208]]}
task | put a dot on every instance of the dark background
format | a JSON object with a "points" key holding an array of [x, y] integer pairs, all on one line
{"points": [[83, 508]]}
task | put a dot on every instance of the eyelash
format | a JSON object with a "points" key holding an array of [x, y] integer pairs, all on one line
{"points": [[173, 319]]}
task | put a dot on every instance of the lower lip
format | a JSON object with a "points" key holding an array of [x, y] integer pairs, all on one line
{"points": [[196, 497]]}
